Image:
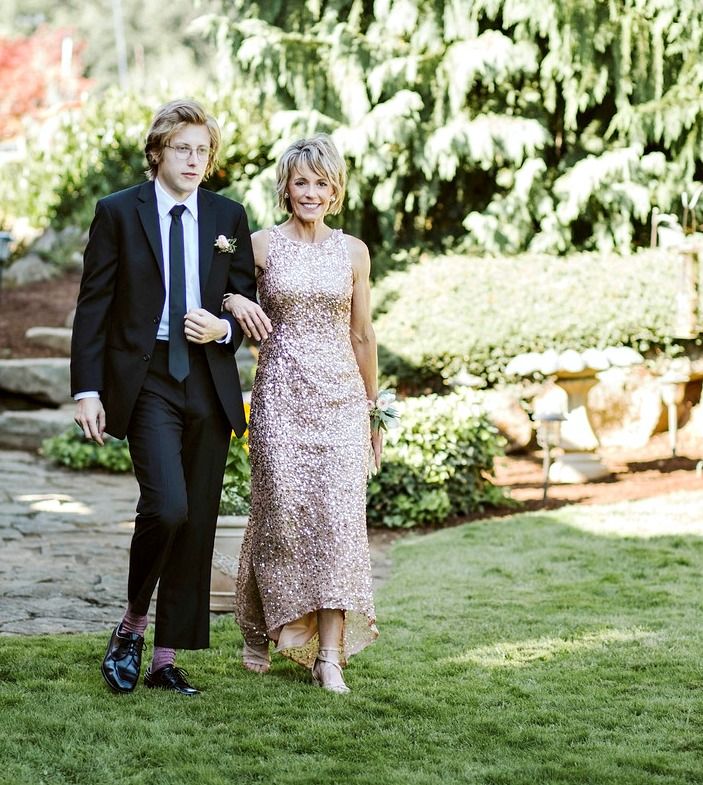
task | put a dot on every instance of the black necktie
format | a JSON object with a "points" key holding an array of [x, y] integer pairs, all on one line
{"points": [[178, 365]]}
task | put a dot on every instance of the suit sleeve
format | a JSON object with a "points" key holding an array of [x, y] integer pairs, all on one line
{"points": [[94, 300], [242, 277]]}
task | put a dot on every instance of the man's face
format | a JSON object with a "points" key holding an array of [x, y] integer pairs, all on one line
{"points": [[184, 160]]}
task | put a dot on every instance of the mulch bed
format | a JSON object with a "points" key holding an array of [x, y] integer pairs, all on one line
{"points": [[42, 304], [637, 473]]}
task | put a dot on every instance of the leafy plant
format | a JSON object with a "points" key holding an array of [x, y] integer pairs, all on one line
{"points": [[97, 148], [236, 487], [73, 450], [436, 465]]}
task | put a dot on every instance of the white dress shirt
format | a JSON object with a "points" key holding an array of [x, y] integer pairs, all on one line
{"points": [[164, 203]]}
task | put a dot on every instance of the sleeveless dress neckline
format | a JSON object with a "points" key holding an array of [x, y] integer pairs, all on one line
{"points": [[277, 230]]}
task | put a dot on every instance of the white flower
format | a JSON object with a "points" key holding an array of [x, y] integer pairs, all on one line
{"points": [[383, 411], [385, 399], [225, 245]]}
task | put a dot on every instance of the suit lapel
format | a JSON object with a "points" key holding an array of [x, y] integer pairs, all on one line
{"points": [[206, 236], [149, 216]]}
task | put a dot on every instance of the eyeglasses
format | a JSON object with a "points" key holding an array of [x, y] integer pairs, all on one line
{"points": [[184, 151]]}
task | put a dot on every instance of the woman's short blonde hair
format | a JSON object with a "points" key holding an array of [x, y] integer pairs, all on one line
{"points": [[320, 154], [168, 121]]}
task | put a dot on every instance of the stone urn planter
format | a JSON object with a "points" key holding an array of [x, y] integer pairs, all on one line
{"points": [[576, 373], [225, 559]]}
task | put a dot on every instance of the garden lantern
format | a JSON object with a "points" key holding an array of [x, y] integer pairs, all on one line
{"points": [[673, 387], [548, 436]]}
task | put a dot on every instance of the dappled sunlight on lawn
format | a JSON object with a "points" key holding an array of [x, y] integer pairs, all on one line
{"points": [[54, 503], [522, 653], [673, 515]]}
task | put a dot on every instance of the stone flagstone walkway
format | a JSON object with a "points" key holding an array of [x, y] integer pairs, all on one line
{"points": [[64, 540]]}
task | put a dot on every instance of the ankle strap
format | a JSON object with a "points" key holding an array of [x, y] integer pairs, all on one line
{"points": [[323, 655]]}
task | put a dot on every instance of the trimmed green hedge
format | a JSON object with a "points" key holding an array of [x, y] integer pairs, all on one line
{"points": [[452, 314], [437, 464]]}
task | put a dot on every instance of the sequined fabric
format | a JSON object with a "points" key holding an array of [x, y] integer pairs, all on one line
{"points": [[305, 546]]}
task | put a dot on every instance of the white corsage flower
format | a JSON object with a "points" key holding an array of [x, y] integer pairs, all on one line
{"points": [[383, 411], [225, 244]]}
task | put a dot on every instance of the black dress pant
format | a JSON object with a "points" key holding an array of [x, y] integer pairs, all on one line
{"points": [[178, 439]]}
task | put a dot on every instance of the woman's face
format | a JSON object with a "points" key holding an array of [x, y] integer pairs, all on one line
{"points": [[310, 194]]}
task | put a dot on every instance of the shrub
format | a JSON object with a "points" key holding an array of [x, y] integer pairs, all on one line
{"points": [[236, 488], [87, 153], [437, 464], [97, 148], [455, 314], [72, 450]]}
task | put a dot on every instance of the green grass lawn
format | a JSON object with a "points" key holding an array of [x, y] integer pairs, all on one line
{"points": [[561, 647]]}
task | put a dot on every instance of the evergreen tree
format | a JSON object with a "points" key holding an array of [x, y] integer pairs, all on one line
{"points": [[498, 124]]}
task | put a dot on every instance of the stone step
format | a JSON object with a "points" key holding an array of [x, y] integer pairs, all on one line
{"points": [[46, 380], [26, 430], [58, 339]]}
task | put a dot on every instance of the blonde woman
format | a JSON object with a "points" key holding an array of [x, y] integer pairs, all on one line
{"points": [[304, 575]]}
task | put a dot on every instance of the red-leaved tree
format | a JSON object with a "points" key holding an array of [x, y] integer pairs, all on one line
{"points": [[33, 79]]}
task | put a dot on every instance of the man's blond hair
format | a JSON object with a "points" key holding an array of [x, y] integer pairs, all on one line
{"points": [[168, 120]]}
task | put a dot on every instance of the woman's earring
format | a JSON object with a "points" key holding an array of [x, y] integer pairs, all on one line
{"points": [[285, 195]]}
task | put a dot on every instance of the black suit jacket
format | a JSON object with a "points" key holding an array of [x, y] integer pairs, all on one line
{"points": [[122, 297]]}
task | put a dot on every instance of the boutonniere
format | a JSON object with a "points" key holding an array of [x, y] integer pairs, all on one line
{"points": [[225, 245]]}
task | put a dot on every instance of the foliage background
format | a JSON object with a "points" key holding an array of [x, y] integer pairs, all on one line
{"points": [[494, 125]]}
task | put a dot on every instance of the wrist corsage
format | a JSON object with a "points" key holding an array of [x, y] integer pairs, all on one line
{"points": [[383, 411]]}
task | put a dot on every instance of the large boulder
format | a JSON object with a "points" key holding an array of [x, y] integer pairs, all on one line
{"points": [[26, 430], [509, 417], [29, 269], [46, 242], [626, 407], [58, 339], [44, 380]]}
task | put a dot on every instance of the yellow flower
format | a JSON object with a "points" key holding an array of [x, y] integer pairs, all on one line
{"points": [[244, 440]]}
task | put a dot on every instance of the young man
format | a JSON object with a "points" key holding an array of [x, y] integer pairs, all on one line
{"points": [[152, 358]]}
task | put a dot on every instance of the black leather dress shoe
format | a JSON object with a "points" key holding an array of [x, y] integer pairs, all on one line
{"points": [[170, 678], [123, 660]]}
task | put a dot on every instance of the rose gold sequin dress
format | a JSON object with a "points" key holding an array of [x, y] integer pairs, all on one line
{"points": [[306, 546]]}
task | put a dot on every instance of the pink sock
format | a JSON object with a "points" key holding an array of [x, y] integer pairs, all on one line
{"points": [[162, 657], [133, 622]]}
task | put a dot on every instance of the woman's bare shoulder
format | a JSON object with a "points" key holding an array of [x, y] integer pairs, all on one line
{"points": [[358, 254], [356, 246]]}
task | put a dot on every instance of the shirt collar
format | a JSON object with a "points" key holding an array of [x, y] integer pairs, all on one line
{"points": [[164, 201]]}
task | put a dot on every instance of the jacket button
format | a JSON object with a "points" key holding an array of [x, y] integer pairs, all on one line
{"points": [[146, 357], [156, 320]]}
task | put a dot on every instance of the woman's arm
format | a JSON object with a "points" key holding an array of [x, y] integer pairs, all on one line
{"points": [[362, 335], [249, 314]]}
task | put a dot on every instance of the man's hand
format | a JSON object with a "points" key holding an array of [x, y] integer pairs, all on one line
{"points": [[90, 416], [250, 316], [202, 327]]}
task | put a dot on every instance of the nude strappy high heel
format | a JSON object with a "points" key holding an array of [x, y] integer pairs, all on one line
{"points": [[256, 659], [325, 655]]}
